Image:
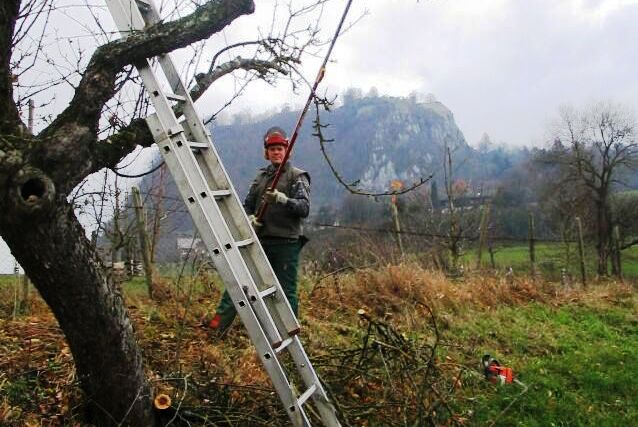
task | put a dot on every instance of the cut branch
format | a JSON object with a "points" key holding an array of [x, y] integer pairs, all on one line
{"points": [[108, 153]]}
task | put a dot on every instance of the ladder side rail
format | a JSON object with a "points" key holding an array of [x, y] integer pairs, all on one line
{"points": [[126, 15], [208, 220], [244, 309], [310, 378], [253, 255], [151, 15], [174, 139], [164, 109], [195, 127]]}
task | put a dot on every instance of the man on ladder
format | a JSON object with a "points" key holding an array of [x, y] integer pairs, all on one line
{"points": [[281, 229]]}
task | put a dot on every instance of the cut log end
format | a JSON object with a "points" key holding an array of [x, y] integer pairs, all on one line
{"points": [[162, 401]]}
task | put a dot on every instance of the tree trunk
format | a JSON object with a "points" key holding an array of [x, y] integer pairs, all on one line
{"points": [[62, 264]]}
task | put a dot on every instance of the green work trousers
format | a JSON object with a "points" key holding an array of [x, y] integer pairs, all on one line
{"points": [[283, 255]]}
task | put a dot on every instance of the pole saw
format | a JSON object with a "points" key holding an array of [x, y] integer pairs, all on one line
{"points": [[322, 70]]}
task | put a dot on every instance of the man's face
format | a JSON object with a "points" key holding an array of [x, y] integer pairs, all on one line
{"points": [[276, 154]]}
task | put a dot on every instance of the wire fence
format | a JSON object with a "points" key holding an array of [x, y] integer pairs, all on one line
{"points": [[171, 242], [551, 258]]}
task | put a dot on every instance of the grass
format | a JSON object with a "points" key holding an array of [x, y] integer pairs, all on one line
{"points": [[551, 258], [630, 262], [579, 362], [8, 279], [576, 349]]}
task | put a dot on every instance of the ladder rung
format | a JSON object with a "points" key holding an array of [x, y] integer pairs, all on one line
{"points": [[306, 395], [220, 193], [174, 97], [198, 145], [268, 291], [285, 343], [174, 131], [246, 242]]}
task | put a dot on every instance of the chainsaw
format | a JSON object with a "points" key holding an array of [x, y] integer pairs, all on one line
{"points": [[497, 373]]}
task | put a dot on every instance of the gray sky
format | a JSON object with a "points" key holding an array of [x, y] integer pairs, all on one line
{"points": [[502, 67]]}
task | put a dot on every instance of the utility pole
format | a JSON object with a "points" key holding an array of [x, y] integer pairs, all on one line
{"points": [[141, 229], [581, 251]]}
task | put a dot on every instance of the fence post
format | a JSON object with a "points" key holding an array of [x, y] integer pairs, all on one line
{"points": [[581, 251], [397, 226], [141, 229], [485, 215], [532, 248], [16, 284], [490, 249], [617, 253], [395, 186]]}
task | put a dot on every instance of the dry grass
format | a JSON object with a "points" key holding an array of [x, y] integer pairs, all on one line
{"points": [[227, 375], [395, 289]]}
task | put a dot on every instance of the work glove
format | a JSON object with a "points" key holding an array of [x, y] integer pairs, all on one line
{"points": [[275, 196], [253, 221]]}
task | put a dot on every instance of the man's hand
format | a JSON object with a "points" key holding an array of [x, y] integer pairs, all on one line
{"points": [[275, 196], [253, 221]]}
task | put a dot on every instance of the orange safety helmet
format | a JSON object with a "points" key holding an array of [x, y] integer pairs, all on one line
{"points": [[275, 136]]}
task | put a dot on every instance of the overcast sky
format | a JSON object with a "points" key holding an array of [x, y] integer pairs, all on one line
{"points": [[502, 67]]}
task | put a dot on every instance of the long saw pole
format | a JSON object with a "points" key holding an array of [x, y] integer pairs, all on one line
{"points": [[322, 70]]}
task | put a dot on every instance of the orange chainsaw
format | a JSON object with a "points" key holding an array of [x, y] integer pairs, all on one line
{"points": [[497, 373]]}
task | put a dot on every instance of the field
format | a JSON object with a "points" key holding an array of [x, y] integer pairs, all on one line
{"points": [[371, 334], [551, 258]]}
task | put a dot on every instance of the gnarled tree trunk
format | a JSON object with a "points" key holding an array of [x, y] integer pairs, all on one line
{"points": [[36, 175], [51, 245]]}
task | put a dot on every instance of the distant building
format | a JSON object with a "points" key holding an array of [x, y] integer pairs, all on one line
{"points": [[187, 247]]}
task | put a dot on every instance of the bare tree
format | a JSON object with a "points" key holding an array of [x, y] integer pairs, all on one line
{"points": [[593, 147], [98, 126]]}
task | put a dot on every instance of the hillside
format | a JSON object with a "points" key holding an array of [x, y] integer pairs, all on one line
{"points": [[376, 140]]}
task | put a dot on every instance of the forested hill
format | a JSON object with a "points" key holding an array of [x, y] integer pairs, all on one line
{"points": [[376, 140]]}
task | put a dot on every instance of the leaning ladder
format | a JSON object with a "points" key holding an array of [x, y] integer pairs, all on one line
{"points": [[223, 225]]}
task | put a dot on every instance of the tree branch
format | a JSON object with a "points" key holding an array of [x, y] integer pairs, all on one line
{"points": [[9, 117], [629, 245], [97, 84], [75, 128], [109, 152], [204, 80]]}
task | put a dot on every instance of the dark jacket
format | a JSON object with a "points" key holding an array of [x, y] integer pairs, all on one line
{"points": [[281, 220]]}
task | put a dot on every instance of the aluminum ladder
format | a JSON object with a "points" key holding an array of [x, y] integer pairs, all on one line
{"points": [[217, 212]]}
